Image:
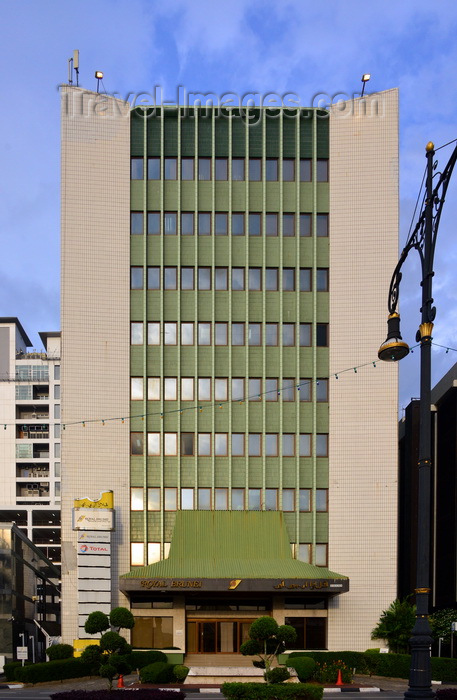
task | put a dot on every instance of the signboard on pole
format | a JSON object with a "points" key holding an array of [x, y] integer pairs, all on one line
{"points": [[21, 653]]}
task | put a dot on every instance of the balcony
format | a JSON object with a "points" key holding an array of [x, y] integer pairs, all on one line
{"points": [[32, 490], [32, 471], [32, 432], [32, 413]]}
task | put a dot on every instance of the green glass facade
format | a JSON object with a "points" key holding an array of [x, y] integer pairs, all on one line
{"points": [[229, 321]]}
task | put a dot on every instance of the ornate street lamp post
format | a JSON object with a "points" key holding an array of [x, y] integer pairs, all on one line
{"points": [[422, 239]]}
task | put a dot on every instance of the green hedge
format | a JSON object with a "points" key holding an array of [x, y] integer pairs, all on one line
{"points": [[158, 672], [352, 659], [444, 669], [277, 691], [10, 669], [52, 671], [139, 659]]}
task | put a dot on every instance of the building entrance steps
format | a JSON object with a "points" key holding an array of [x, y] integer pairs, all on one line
{"points": [[231, 660]]}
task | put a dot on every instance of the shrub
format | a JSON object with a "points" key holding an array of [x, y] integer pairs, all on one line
{"points": [[352, 659], [304, 666], [59, 651], [121, 617], [279, 674], [52, 671], [444, 669], [328, 672], [113, 642], [140, 694], [446, 694], [96, 622], [10, 669], [139, 659], [259, 691], [180, 672], [158, 672], [92, 657]]}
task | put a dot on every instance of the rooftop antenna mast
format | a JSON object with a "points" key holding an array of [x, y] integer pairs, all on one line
{"points": [[73, 65]]}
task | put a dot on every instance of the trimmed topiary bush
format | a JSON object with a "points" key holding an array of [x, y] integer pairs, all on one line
{"points": [[139, 659], [59, 651], [260, 691], [121, 617], [279, 674], [180, 672], [444, 669], [352, 659], [304, 666], [10, 669], [52, 671], [158, 672]]}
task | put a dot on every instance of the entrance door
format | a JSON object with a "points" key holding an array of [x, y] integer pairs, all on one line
{"points": [[216, 636]]}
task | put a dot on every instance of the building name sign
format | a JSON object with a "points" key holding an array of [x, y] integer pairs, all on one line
{"points": [[309, 583], [93, 519], [288, 586], [173, 583], [84, 548]]}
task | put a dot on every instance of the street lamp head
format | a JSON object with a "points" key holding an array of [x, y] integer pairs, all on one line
{"points": [[394, 348], [430, 146]]}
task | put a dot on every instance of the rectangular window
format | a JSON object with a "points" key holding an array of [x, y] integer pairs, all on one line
{"points": [[271, 499], [321, 500], [170, 497], [321, 445], [136, 168], [305, 445], [153, 277], [254, 499], [271, 224], [322, 279], [153, 168], [204, 168], [305, 389], [254, 334], [254, 445], [187, 278], [136, 443], [322, 170], [237, 444], [153, 223], [220, 499], [204, 223], [57, 431], [288, 279], [254, 389], [137, 553], [322, 225], [187, 168], [170, 223], [57, 411], [221, 389], [305, 225], [237, 389], [288, 445], [187, 444], [255, 225], [238, 167], [271, 334], [170, 278], [170, 168], [221, 168], [220, 444], [170, 388], [271, 444], [136, 278], [322, 390], [153, 552], [153, 444], [204, 389], [204, 444], [237, 499], [288, 389], [187, 388], [204, 499], [136, 388], [305, 335], [187, 333], [305, 279], [271, 389], [304, 502], [255, 169], [237, 333], [237, 224], [204, 333], [320, 554], [288, 500], [187, 499], [220, 224], [237, 279], [204, 278], [255, 279], [288, 225], [136, 333], [153, 499], [221, 278], [288, 334], [153, 388], [56, 371], [136, 222], [288, 169], [271, 279], [187, 223], [220, 334], [170, 333], [305, 170], [170, 444], [322, 335], [136, 499], [271, 169], [303, 553]]}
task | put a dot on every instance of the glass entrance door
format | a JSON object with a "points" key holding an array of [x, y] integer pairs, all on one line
{"points": [[216, 636]]}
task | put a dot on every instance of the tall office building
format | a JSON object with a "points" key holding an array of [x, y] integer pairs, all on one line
{"points": [[224, 278]]}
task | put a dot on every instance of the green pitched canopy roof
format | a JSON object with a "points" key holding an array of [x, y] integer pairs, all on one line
{"points": [[231, 544]]}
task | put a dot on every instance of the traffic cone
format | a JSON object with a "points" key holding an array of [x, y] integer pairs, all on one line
{"points": [[339, 680], [120, 683]]}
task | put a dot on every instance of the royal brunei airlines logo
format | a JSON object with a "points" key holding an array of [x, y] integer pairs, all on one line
{"points": [[234, 584]]}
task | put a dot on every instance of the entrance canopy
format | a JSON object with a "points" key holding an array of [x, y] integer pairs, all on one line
{"points": [[238, 551]]}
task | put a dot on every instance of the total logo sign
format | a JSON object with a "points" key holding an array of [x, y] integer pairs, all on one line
{"points": [[94, 548]]}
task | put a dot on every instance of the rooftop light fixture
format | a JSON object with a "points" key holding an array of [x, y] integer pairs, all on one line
{"points": [[365, 78], [99, 76]]}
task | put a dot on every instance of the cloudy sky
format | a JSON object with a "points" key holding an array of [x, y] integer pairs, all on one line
{"points": [[300, 46]]}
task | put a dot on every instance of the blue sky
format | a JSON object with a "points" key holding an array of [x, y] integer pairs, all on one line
{"points": [[259, 46]]}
